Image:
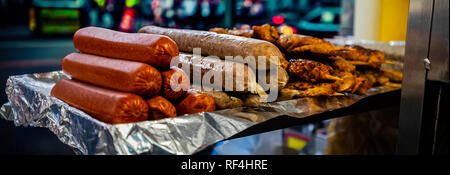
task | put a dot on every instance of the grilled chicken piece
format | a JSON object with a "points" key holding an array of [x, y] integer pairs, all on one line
{"points": [[284, 63], [343, 65], [298, 45], [307, 90], [364, 82], [347, 83], [266, 32], [394, 76], [310, 71], [299, 85], [358, 55]]}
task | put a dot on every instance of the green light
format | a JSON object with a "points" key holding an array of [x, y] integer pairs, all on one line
{"points": [[131, 3], [59, 13], [100, 3], [327, 17]]}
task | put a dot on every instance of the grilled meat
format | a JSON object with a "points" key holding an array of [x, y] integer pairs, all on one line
{"points": [[266, 32], [310, 71]]}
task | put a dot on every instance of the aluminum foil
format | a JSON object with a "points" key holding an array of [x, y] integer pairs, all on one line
{"points": [[30, 104]]}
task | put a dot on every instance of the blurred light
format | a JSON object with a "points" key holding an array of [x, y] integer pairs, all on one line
{"points": [[100, 3], [189, 7], [245, 27], [167, 4], [110, 6], [287, 30], [205, 9], [158, 12], [248, 3], [131, 3], [327, 17], [155, 4], [51, 13], [146, 7], [179, 12], [172, 24], [256, 9], [278, 20], [32, 19], [93, 17], [127, 20], [170, 13], [220, 10], [107, 20]]}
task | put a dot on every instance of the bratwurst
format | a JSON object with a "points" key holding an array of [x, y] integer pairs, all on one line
{"points": [[106, 105], [123, 75], [221, 45], [156, 50]]}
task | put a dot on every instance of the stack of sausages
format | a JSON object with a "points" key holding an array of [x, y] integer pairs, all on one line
{"points": [[126, 77], [219, 46]]}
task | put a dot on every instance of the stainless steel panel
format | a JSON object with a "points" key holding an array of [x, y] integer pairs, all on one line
{"points": [[417, 40], [439, 42]]}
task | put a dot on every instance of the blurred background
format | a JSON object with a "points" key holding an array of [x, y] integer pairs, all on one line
{"points": [[36, 34]]}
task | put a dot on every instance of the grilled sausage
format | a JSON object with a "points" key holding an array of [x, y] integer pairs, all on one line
{"points": [[160, 108], [175, 83], [196, 102], [220, 45], [156, 50], [123, 75], [244, 78], [106, 105]]}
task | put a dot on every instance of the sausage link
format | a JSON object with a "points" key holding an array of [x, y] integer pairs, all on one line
{"points": [[175, 83], [123, 75], [106, 105], [196, 102], [220, 45], [160, 108], [156, 50]]}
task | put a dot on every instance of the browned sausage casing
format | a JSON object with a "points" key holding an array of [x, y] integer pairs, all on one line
{"points": [[160, 108], [156, 50], [123, 75], [220, 45], [175, 83], [106, 105], [196, 102]]}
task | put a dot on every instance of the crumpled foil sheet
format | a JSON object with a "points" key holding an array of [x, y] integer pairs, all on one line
{"points": [[30, 104]]}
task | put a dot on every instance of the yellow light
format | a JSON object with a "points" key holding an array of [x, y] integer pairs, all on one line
{"points": [[295, 143], [32, 23], [287, 30]]}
